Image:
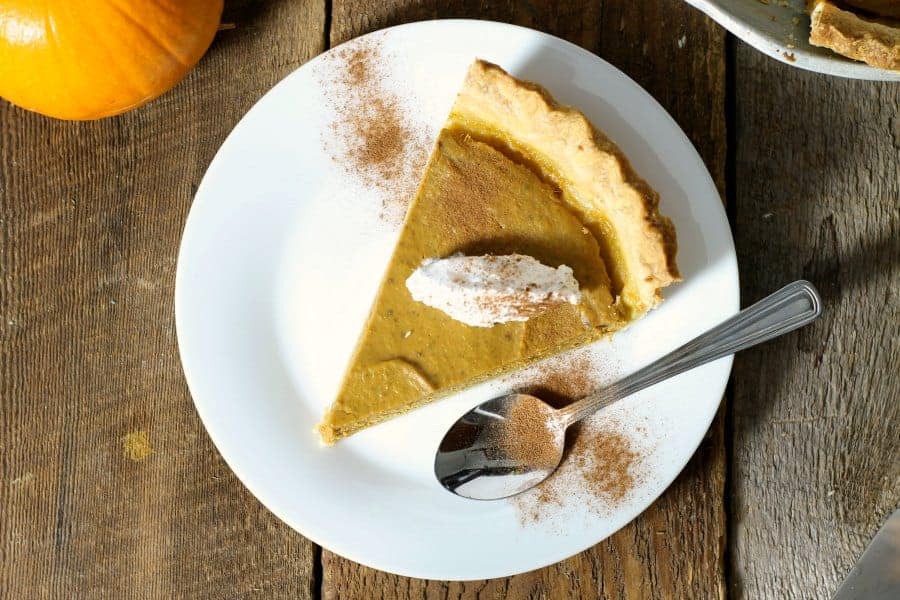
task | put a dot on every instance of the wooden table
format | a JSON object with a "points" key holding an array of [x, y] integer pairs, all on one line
{"points": [[796, 474]]}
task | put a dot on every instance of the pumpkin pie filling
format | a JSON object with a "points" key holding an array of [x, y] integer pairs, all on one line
{"points": [[512, 172]]}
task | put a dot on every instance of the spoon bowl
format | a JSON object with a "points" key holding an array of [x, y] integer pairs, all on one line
{"points": [[488, 453]]}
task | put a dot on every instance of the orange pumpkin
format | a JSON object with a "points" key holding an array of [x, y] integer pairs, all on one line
{"points": [[87, 59]]}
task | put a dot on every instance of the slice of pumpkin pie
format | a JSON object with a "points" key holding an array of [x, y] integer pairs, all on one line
{"points": [[513, 174]]}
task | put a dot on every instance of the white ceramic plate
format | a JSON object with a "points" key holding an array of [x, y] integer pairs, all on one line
{"points": [[281, 257], [780, 28]]}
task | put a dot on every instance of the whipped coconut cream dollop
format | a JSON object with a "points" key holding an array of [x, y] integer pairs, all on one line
{"points": [[483, 291]]}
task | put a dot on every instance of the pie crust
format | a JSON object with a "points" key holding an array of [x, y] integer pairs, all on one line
{"points": [[588, 166]]}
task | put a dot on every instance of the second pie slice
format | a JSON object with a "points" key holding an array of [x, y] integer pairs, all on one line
{"points": [[512, 172], [864, 30]]}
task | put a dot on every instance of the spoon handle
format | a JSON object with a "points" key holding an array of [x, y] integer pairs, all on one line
{"points": [[791, 307]]}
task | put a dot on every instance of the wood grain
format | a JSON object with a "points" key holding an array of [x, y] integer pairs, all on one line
{"points": [[676, 548], [816, 461], [90, 219]]}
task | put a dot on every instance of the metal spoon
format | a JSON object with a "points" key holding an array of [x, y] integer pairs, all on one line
{"points": [[472, 460]]}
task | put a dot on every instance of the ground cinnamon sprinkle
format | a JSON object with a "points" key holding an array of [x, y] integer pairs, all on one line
{"points": [[601, 467], [526, 436], [602, 464], [605, 460], [566, 382], [372, 137]]}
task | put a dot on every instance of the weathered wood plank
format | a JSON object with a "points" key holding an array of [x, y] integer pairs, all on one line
{"points": [[676, 548], [90, 219], [816, 461]]}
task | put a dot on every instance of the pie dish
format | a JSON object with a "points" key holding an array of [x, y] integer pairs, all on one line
{"points": [[512, 171], [872, 37]]}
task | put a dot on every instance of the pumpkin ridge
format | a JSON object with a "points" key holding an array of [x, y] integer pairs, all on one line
{"points": [[53, 38], [126, 75], [155, 40]]}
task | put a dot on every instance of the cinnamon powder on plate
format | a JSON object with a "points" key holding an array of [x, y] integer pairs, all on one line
{"points": [[605, 458], [372, 136]]}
